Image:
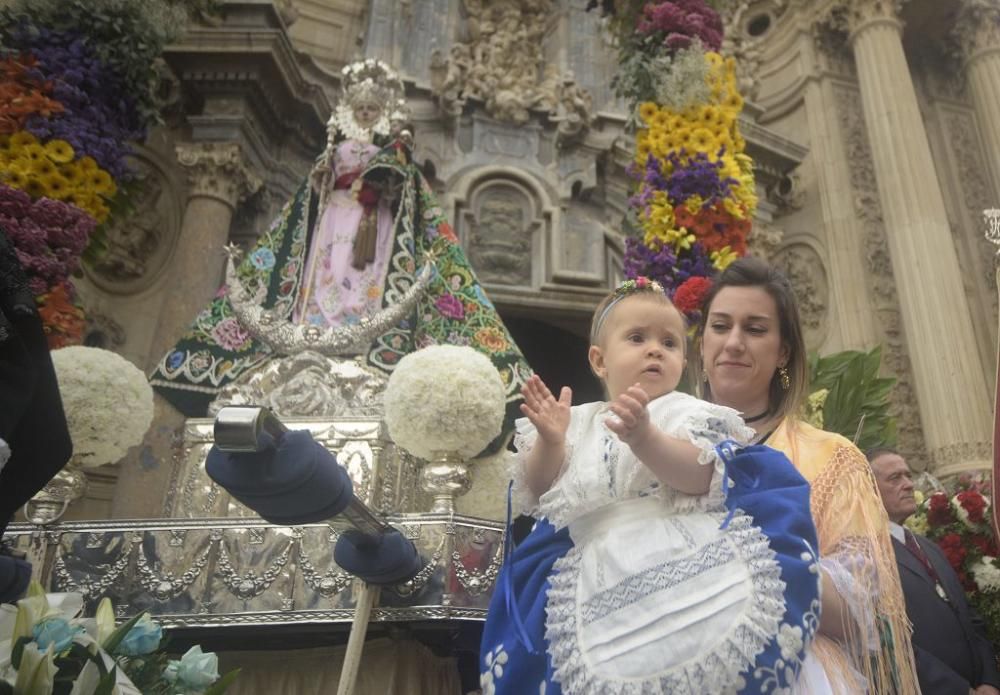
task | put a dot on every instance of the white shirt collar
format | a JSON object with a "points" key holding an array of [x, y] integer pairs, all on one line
{"points": [[897, 532]]}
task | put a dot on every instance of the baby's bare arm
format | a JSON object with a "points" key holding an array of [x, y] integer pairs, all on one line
{"points": [[551, 418], [673, 461]]}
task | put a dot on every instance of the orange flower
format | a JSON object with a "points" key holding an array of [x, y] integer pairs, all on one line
{"points": [[62, 320], [445, 230], [491, 339]]}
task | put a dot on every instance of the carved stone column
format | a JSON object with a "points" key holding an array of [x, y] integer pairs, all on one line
{"points": [[977, 33], [219, 179], [951, 381]]}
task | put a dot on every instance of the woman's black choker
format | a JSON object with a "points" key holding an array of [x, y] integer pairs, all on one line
{"points": [[757, 418]]}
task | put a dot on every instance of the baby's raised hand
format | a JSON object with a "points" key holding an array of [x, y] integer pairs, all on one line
{"points": [[631, 423], [549, 416]]}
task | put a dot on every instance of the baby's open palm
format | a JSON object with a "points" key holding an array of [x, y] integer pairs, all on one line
{"points": [[549, 415]]}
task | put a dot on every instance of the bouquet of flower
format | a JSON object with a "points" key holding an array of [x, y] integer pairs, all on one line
{"points": [[695, 195], [108, 403], [444, 398], [77, 80], [47, 648], [959, 522]]}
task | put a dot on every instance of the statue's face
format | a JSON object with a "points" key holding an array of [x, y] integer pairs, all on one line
{"points": [[366, 113]]}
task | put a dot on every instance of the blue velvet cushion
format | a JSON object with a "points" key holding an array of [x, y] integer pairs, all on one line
{"points": [[386, 559], [294, 482]]}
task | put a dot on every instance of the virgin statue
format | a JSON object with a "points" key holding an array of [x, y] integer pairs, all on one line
{"points": [[347, 252]]}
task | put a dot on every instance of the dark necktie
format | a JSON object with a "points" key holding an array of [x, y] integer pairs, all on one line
{"points": [[914, 547]]}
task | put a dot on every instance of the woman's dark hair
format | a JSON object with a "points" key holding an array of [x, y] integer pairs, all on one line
{"points": [[753, 272]]}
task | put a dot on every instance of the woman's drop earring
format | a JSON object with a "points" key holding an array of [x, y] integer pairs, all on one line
{"points": [[786, 382]]}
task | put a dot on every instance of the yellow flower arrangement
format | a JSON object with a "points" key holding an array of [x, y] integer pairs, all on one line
{"points": [[59, 151], [21, 139], [647, 110], [723, 257], [51, 171], [702, 140]]}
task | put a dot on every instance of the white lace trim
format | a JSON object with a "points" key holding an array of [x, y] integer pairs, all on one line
{"points": [[716, 671]]}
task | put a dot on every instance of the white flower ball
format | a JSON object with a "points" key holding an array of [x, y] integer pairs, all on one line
{"points": [[444, 398], [107, 400]]}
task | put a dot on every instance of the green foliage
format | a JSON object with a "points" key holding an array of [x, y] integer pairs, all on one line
{"points": [[988, 607], [855, 391]]}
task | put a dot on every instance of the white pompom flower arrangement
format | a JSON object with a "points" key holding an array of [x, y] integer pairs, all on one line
{"points": [[444, 398], [108, 403]]}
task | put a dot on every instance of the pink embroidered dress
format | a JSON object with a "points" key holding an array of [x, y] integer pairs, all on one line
{"points": [[333, 292]]}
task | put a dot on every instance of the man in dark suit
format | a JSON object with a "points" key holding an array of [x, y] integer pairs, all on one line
{"points": [[953, 654]]}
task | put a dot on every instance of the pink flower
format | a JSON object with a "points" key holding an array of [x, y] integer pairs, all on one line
{"points": [[450, 307], [230, 335]]}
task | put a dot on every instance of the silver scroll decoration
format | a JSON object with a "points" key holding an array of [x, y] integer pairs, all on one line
{"points": [[287, 338]]}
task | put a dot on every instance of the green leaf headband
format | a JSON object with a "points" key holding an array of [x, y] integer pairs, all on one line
{"points": [[626, 289]]}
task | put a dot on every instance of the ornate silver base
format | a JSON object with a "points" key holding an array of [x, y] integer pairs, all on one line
{"points": [[445, 478], [52, 501]]}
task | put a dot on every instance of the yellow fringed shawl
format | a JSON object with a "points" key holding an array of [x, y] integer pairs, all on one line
{"points": [[851, 523]]}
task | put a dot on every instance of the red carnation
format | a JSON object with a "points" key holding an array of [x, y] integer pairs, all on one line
{"points": [[984, 544], [689, 296], [973, 503], [939, 510], [951, 545]]}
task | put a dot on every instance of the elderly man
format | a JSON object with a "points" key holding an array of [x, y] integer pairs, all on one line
{"points": [[954, 656]]}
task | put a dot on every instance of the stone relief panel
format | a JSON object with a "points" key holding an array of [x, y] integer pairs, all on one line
{"points": [[806, 270], [499, 228], [882, 285], [139, 242]]}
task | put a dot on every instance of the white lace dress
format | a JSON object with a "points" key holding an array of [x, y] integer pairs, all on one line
{"points": [[654, 596]]}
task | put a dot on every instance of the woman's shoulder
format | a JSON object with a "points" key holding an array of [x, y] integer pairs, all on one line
{"points": [[814, 449], [810, 433]]}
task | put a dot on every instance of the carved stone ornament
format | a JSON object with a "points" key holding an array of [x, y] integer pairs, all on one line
{"points": [[746, 49], [499, 63], [977, 28], [287, 338], [137, 243], [806, 272], [765, 239], [218, 170], [308, 384]]}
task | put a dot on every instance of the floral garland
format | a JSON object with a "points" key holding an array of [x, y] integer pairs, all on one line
{"points": [[694, 199], [959, 522], [76, 87], [48, 648]]}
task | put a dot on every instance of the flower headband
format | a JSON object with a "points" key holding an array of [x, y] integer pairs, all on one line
{"points": [[626, 289]]}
